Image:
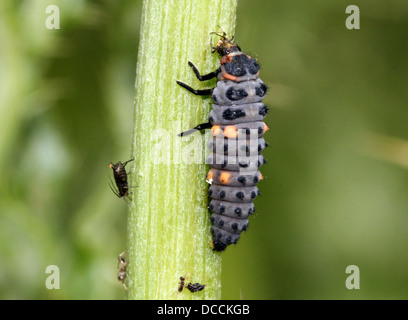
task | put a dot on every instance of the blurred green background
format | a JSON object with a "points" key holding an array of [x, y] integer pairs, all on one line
{"points": [[336, 187]]}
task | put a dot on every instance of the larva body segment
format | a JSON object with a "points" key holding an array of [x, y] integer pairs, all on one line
{"points": [[236, 147]]}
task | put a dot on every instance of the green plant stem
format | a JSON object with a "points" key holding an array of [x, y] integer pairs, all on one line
{"points": [[168, 227]]}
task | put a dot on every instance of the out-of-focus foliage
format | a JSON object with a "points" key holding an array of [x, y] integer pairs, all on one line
{"points": [[66, 106], [336, 186]]}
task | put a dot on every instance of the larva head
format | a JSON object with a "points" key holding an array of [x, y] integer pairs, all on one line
{"points": [[225, 46]]}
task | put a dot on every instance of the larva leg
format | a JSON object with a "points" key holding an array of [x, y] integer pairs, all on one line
{"points": [[203, 92], [209, 76], [202, 126]]}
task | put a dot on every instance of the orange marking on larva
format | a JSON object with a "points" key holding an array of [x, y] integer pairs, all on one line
{"points": [[225, 59], [216, 130], [227, 76], [210, 175], [231, 131], [265, 127], [260, 176], [224, 177]]}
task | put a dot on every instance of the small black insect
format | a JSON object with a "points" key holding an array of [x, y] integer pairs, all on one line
{"points": [[120, 175], [195, 287], [192, 287], [122, 269], [181, 286]]}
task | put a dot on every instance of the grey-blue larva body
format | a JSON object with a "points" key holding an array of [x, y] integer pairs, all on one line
{"points": [[237, 129]]}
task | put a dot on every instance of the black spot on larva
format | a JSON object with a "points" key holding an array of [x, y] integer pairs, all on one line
{"points": [[244, 165], [238, 65], [260, 130], [240, 195], [211, 207], [234, 226], [259, 147], [211, 119], [222, 194], [224, 164], [228, 240], [225, 146], [220, 223], [222, 209], [261, 90], [242, 180], [236, 94], [212, 219], [238, 211], [232, 115], [250, 211], [244, 227], [252, 66], [214, 97], [263, 110], [259, 193], [247, 131], [253, 195], [210, 192], [256, 179]]}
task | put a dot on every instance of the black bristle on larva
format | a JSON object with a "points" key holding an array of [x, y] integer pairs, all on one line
{"points": [[263, 110], [237, 143]]}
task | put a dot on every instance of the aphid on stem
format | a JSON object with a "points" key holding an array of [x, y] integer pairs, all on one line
{"points": [[182, 283], [195, 287], [192, 287], [120, 175]]}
